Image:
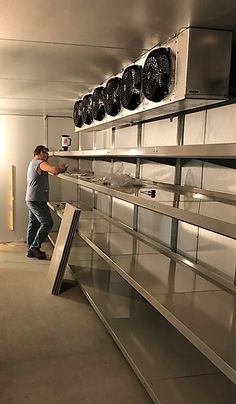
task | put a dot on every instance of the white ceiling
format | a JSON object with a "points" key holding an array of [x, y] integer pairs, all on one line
{"points": [[54, 51]]}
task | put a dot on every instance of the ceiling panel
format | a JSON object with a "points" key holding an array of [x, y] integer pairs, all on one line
{"points": [[59, 50]]}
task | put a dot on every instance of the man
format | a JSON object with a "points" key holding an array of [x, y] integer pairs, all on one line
{"points": [[40, 220]]}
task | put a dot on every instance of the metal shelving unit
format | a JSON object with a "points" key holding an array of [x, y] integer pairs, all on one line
{"points": [[173, 289], [209, 151], [173, 319]]}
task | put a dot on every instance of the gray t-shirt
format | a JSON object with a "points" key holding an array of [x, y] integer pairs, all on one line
{"points": [[37, 184]]}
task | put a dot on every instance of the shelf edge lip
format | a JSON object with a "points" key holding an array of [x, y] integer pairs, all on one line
{"points": [[214, 150]]}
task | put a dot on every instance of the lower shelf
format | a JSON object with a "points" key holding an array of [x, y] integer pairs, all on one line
{"points": [[170, 368]]}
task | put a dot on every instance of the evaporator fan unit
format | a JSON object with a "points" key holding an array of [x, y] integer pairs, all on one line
{"points": [[77, 114], [87, 109], [156, 74], [130, 88], [112, 96], [98, 108]]}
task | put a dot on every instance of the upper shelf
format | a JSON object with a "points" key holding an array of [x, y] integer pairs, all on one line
{"points": [[163, 201], [219, 150]]}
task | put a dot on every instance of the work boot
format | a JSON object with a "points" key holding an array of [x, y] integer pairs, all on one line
{"points": [[37, 253]]}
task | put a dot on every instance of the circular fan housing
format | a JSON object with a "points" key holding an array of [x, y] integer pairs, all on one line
{"points": [[98, 108], [130, 88], [111, 96], [156, 74], [77, 114], [87, 109]]}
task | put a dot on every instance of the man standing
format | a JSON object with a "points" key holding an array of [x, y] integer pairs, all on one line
{"points": [[40, 220]]}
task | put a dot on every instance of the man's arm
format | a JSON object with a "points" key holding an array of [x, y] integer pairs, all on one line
{"points": [[44, 166]]}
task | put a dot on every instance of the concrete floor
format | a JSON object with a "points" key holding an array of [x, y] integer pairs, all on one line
{"points": [[55, 349]]}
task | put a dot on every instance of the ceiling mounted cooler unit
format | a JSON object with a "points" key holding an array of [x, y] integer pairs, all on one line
{"points": [[189, 71]]}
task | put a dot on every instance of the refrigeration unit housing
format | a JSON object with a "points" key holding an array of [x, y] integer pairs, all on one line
{"points": [[198, 77]]}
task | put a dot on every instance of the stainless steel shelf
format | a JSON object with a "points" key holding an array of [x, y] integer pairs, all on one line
{"points": [[198, 308], [170, 368], [219, 150], [165, 207]]}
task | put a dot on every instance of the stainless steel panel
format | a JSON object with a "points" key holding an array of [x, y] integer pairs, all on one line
{"points": [[208, 56], [159, 274], [145, 339], [88, 226], [208, 389], [215, 225], [221, 150], [208, 315]]}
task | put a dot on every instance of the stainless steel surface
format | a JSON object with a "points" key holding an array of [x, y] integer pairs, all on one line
{"points": [[62, 247], [195, 53], [219, 150], [215, 225], [145, 339], [49, 77], [193, 305]]}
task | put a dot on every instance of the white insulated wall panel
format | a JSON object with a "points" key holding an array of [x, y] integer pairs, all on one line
{"points": [[194, 128], [121, 167], [217, 210], [155, 225], [221, 125], [103, 139], [103, 203], [126, 137], [86, 140], [187, 240], [158, 172], [160, 133], [218, 252], [219, 178], [86, 196], [101, 168], [123, 212]]}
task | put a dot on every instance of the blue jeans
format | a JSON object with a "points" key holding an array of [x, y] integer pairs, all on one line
{"points": [[40, 223]]}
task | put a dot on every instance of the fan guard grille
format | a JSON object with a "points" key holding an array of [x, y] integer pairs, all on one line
{"points": [[130, 89], [98, 108], [112, 96], [77, 114], [156, 74], [87, 109]]}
